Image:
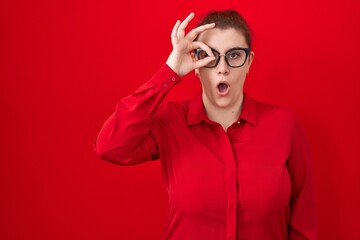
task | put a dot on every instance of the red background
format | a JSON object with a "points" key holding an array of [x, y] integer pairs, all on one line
{"points": [[64, 64]]}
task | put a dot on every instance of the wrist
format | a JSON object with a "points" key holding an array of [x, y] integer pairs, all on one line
{"points": [[172, 63]]}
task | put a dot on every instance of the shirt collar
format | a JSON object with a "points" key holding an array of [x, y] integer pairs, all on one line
{"points": [[197, 114]]}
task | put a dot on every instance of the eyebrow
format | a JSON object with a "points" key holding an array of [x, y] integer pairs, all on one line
{"points": [[233, 48]]}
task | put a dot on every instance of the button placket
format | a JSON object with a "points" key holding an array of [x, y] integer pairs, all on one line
{"points": [[231, 172]]}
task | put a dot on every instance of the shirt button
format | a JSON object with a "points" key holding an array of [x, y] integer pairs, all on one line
{"points": [[166, 85], [238, 122], [173, 79]]}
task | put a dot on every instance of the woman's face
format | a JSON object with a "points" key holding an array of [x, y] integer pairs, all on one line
{"points": [[222, 86]]}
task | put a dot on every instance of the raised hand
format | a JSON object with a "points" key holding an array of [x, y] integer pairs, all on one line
{"points": [[181, 59]]}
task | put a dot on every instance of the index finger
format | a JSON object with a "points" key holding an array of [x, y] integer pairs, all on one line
{"points": [[204, 47], [196, 31]]}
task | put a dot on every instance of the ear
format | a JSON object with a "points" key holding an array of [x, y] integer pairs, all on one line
{"points": [[250, 60], [196, 72], [193, 56]]}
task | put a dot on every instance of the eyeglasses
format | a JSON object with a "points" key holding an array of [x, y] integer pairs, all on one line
{"points": [[234, 57]]}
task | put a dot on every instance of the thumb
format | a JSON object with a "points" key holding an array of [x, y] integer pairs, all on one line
{"points": [[203, 62]]}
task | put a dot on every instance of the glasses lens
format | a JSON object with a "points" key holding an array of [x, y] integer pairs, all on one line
{"points": [[202, 54], [236, 57]]}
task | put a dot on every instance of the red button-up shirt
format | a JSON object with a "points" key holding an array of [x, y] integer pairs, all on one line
{"points": [[251, 182]]}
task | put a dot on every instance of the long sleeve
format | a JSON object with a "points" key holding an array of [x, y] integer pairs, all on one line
{"points": [[303, 216], [125, 138]]}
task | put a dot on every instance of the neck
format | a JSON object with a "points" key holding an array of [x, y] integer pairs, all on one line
{"points": [[225, 116]]}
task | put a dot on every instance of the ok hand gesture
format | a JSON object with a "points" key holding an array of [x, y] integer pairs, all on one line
{"points": [[181, 59]]}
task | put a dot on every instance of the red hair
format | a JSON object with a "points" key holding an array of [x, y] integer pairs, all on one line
{"points": [[228, 19]]}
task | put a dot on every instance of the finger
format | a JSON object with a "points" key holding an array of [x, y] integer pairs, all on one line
{"points": [[175, 29], [183, 25], [203, 62], [196, 31], [204, 47]]}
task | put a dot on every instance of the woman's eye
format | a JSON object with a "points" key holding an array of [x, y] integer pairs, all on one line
{"points": [[233, 55], [203, 54]]}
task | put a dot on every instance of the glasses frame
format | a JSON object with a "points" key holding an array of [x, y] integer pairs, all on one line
{"points": [[247, 52]]}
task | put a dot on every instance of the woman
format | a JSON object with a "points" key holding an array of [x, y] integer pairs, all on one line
{"points": [[234, 168]]}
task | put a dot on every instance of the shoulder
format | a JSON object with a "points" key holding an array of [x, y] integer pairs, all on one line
{"points": [[274, 114]]}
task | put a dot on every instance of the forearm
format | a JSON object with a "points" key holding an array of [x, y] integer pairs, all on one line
{"points": [[125, 138]]}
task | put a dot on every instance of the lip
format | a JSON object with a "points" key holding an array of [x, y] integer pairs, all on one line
{"points": [[222, 92]]}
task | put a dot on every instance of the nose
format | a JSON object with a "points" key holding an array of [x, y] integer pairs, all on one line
{"points": [[222, 66]]}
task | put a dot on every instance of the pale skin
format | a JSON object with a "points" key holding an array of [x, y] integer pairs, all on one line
{"points": [[223, 107]]}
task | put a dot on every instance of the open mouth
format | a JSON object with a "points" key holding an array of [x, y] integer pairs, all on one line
{"points": [[223, 88]]}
